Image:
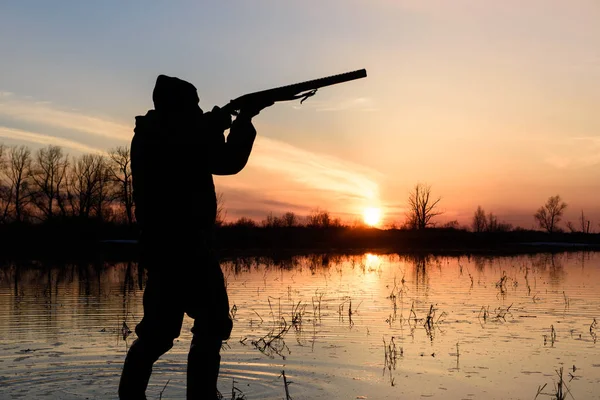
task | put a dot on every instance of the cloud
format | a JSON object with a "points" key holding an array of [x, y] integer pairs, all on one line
{"points": [[573, 153], [316, 171], [38, 138], [307, 174], [44, 113]]}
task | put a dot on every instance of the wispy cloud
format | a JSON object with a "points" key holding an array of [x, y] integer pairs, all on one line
{"points": [[317, 171], [572, 153], [38, 138], [47, 114], [308, 171]]}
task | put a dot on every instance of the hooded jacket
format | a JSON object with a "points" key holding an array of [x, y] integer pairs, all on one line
{"points": [[175, 151]]}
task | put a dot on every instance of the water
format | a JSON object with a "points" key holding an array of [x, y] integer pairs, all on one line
{"points": [[353, 327]]}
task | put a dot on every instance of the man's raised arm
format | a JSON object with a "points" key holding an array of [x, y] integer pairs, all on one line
{"points": [[230, 157]]}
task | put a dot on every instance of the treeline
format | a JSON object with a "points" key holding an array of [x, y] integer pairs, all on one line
{"points": [[316, 219], [423, 207], [48, 184]]}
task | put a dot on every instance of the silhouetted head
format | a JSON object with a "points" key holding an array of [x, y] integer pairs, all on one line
{"points": [[174, 94]]}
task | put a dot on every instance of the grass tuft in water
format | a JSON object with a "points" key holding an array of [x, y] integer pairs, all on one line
{"points": [[560, 388]]}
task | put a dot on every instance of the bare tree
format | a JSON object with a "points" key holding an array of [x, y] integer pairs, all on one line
{"points": [[290, 219], [221, 211], [318, 219], [491, 223], [421, 207], [5, 192], [272, 221], [479, 220], [322, 219], [244, 222], [120, 171], [105, 195], [88, 186], [451, 224], [585, 223], [48, 177], [17, 172], [549, 215], [4, 189]]}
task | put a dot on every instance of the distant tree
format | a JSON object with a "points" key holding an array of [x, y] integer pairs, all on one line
{"points": [[421, 207], [584, 225], [479, 220], [221, 211], [451, 225], [4, 189], [319, 219], [120, 172], [391, 225], [105, 195], [549, 215], [18, 173], [491, 224], [322, 219], [359, 223], [272, 221], [290, 219], [337, 223], [244, 222], [504, 227], [488, 223], [88, 186], [48, 177]]}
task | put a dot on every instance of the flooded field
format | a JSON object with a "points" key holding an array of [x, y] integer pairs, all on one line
{"points": [[345, 327]]}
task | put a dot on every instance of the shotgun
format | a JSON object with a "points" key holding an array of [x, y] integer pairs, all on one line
{"points": [[302, 90]]}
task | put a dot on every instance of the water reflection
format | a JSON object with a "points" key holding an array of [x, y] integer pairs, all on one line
{"points": [[469, 326]]}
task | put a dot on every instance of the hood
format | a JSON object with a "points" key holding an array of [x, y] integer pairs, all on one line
{"points": [[174, 94]]}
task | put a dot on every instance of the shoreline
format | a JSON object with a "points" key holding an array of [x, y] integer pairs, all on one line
{"points": [[128, 250], [118, 242]]}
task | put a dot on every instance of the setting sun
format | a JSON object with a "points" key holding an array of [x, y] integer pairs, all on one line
{"points": [[372, 216]]}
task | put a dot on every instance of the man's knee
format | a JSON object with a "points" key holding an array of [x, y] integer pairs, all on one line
{"points": [[150, 350], [218, 331]]}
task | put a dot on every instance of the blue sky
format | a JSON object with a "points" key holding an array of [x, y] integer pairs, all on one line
{"points": [[492, 103]]}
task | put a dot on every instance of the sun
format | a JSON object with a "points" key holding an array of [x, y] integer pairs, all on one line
{"points": [[372, 216]]}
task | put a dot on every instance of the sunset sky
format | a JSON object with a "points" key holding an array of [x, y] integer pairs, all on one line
{"points": [[492, 103]]}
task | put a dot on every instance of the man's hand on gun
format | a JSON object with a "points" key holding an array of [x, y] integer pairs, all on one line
{"points": [[254, 109], [222, 118]]}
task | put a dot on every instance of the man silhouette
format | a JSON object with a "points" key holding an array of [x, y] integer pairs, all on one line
{"points": [[175, 150]]}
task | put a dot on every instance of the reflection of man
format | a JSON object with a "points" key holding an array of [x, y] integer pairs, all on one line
{"points": [[174, 153]]}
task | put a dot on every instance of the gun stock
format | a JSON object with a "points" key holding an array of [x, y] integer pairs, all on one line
{"points": [[302, 90]]}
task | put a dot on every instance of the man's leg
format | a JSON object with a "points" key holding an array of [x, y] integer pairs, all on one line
{"points": [[138, 367], [212, 325], [204, 362], [161, 324]]}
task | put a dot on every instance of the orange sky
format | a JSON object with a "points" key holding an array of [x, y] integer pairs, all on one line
{"points": [[491, 103]]}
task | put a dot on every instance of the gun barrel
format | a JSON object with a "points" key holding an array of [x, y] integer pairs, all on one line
{"points": [[327, 81], [293, 91]]}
